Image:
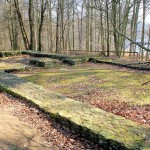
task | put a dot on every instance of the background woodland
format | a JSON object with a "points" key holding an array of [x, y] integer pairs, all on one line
{"points": [[110, 27]]}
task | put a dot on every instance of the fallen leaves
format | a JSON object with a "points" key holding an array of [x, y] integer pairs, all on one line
{"points": [[56, 135], [100, 99]]}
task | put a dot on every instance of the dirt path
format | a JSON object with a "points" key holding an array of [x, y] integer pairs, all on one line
{"points": [[16, 134], [23, 127]]}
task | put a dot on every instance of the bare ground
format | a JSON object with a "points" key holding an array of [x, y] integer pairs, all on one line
{"points": [[23, 127], [16, 134]]}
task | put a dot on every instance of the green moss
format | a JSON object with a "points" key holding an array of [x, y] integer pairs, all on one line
{"points": [[13, 67], [44, 62], [9, 53], [127, 84], [137, 65], [46, 55], [75, 60]]}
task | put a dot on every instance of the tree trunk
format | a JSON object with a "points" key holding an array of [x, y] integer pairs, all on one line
{"points": [[43, 8], [57, 28], [23, 32], [143, 30], [87, 26], [108, 34], [32, 26]]}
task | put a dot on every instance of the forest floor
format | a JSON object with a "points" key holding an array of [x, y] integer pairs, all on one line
{"points": [[16, 134], [118, 90], [23, 127]]}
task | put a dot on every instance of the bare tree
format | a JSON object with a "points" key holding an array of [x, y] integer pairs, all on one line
{"points": [[20, 19], [32, 26], [43, 8]]}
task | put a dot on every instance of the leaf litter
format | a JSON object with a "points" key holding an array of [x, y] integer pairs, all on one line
{"points": [[56, 135]]}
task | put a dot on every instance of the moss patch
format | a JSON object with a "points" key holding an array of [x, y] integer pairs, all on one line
{"points": [[75, 60], [44, 62], [129, 85], [42, 54], [9, 53], [13, 67], [136, 65]]}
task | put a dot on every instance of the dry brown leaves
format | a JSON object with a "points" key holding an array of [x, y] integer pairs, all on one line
{"points": [[100, 99], [55, 134]]}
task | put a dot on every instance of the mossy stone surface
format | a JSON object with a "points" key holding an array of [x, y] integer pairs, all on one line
{"points": [[65, 59], [108, 128], [75, 60], [13, 67], [10, 53], [43, 54], [137, 65], [44, 62]]}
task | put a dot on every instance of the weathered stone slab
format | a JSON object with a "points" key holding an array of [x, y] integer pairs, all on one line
{"points": [[16, 69], [73, 61], [65, 59], [44, 62], [42, 54], [108, 129], [9, 53], [7, 67], [138, 66]]}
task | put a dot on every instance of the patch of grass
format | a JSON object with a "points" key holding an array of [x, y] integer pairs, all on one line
{"points": [[5, 66], [127, 84]]}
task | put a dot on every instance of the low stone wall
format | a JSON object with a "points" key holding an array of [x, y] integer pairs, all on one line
{"points": [[16, 69], [9, 53], [75, 61], [13, 67], [44, 62], [138, 66], [65, 59], [42, 54], [108, 129]]}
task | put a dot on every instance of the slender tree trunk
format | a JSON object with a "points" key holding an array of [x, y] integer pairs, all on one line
{"points": [[114, 20], [31, 24], [37, 17], [91, 27], [73, 26], [147, 53], [24, 35], [43, 8], [132, 26], [15, 32], [68, 26], [11, 25], [108, 34], [62, 26], [79, 32], [135, 24], [102, 30], [143, 29], [81, 26], [57, 28], [87, 26], [50, 27]]}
